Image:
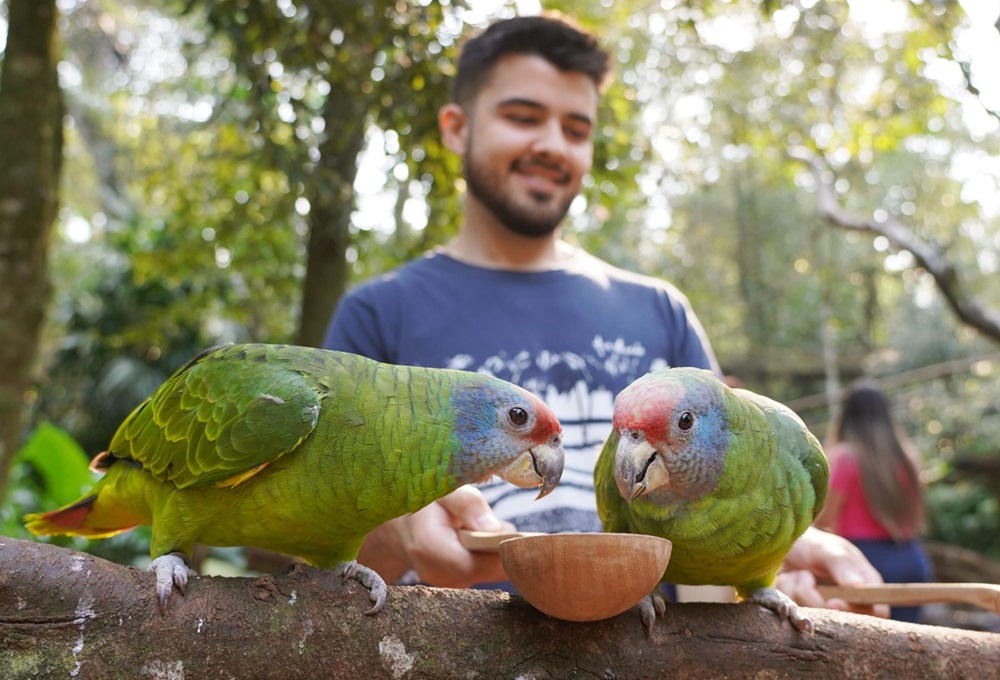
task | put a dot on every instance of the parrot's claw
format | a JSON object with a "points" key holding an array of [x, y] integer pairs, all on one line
{"points": [[650, 607], [370, 579], [172, 571], [347, 570], [783, 606]]}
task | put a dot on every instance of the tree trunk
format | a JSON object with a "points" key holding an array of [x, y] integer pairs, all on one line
{"points": [[333, 202], [30, 161], [67, 614]]}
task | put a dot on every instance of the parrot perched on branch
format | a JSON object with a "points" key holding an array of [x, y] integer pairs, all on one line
{"points": [[303, 451], [730, 477]]}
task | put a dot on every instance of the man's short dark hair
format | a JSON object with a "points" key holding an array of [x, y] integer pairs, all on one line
{"points": [[550, 36]]}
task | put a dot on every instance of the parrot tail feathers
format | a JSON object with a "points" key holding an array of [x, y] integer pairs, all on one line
{"points": [[72, 520]]}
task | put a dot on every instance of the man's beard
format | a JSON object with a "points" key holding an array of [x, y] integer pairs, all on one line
{"points": [[535, 222]]}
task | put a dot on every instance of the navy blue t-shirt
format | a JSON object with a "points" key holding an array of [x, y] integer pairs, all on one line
{"points": [[575, 336]]}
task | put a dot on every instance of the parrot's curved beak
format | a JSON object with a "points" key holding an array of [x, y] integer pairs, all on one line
{"points": [[639, 468], [541, 465]]}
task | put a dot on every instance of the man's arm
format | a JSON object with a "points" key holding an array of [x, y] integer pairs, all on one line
{"points": [[825, 557]]}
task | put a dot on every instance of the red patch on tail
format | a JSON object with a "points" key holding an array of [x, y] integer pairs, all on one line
{"points": [[71, 516]]}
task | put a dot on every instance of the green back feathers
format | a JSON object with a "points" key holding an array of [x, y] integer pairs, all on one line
{"points": [[216, 418], [793, 440], [237, 408]]}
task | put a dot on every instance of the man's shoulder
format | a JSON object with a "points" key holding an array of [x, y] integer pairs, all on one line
{"points": [[595, 267], [424, 266]]}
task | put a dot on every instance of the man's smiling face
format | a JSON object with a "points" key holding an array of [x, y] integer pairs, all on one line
{"points": [[529, 142]]}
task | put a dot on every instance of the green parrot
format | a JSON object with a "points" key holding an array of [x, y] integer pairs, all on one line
{"points": [[303, 451], [730, 477]]}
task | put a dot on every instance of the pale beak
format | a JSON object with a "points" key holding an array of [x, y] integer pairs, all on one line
{"points": [[639, 468], [538, 466]]}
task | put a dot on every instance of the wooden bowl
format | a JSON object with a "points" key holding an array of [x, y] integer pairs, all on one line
{"points": [[584, 576]]}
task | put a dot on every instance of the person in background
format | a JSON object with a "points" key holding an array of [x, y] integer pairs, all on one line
{"points": [[507, 296], [875, 498]]}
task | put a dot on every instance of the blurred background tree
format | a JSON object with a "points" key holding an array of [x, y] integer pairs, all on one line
{"points": [[231, 166], [31, 138]]}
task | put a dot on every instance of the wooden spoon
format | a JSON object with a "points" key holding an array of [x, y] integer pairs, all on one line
{"points": [[985, 595], [577, 576]]}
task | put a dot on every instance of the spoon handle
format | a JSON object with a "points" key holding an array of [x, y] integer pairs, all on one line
{"points": [[985, 595], [488, 541]]}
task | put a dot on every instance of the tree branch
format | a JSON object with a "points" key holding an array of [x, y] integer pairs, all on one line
{"points": [[68, 614], [929, 255]]}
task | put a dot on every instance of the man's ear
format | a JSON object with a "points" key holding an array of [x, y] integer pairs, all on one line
{"points": [[454, 124]]}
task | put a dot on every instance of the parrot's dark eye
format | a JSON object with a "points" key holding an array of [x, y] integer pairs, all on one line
{"points": [[685, 421], [518, 415]]}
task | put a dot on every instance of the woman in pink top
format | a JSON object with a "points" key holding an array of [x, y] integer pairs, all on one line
{"points": [[875, 498]]}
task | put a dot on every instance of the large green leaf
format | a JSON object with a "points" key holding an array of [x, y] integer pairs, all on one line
{"points": [[59, 461]]}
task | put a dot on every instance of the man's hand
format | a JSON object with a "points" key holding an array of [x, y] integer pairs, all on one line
{"points": [[426, 541], [819, 556]]}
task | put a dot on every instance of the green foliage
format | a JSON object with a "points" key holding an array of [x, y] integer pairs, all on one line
{"points": [[59, 463], [49, 471], [114, 353], [964, 513], [227, 158]]}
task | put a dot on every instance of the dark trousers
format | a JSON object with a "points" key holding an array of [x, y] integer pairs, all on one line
{"points": [[904, 562]]}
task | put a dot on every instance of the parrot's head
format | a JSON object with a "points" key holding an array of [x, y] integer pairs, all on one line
{"points": [[505, 430], [673, 433]]}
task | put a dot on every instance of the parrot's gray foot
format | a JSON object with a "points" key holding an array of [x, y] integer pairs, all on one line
{"points": [[650, 607], [171, 570], [783, 606], [369, 579]]}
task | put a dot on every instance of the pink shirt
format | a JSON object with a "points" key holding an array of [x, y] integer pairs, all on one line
{"points": [[856, 520]]}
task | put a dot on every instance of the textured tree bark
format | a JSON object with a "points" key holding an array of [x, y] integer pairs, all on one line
{"points": [[30, 164], [71, 615]]}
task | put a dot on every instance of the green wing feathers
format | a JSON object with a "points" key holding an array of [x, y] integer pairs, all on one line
{"points": [[217, 419], [804, 462]]}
